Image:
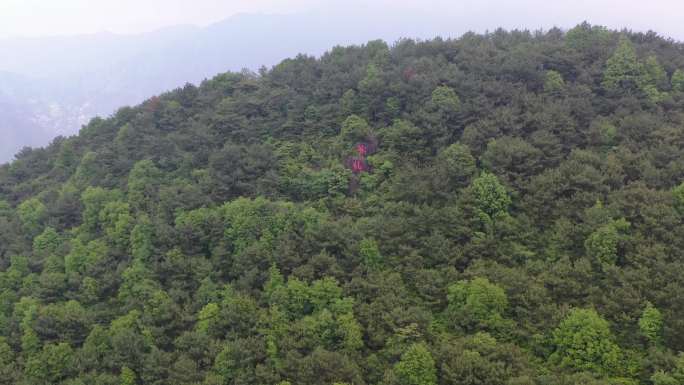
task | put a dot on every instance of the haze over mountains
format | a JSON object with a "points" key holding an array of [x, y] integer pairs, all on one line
{"points": [[52, 86]]}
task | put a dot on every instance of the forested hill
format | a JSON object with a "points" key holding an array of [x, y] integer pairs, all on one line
{"points": [[499, 209]]}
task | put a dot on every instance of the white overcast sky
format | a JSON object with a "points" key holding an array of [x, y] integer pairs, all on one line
{"points": [[67, 17]]}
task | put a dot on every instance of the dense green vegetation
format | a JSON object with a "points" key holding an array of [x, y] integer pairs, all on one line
{"points": [[516, 220]]}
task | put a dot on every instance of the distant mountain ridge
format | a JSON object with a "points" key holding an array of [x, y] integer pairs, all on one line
{"points": [[52, 86]]}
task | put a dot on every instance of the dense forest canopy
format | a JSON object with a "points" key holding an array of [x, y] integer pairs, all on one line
{"points": [[495, 209]]}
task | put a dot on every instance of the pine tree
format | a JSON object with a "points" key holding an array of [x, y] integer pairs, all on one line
{"points": [[623, 71]]}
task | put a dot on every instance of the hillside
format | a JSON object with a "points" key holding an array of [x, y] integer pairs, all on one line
{"points": [[495, 209], [65, 82]]}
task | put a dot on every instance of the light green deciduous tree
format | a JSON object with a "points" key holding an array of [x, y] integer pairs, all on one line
{"points": [[416, 367]]}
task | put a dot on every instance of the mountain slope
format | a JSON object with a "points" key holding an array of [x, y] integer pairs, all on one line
{"points": [[70, 81], [497, 209]]}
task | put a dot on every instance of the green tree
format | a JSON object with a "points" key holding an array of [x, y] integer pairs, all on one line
{"points": [[349, 103], [94, 200], [8, 363], [653, 80], [583, 341], [662, 378], [88, 170], [404, 138], [52, 365], [350, 332], [678, 195], [32, 213], [603, 243], [513, 158], [47, 242], [678, 372], [129, 341], [5, 208], [478, 359], [241, 170], [587, 38], [553, 82], [274, 288], [416, 367], [82, 258], [323, 293], [651, 324], [144, 181], [207, 318], [623, 70], [90, 290], [235, 362], [458, 164], [372, 83], [26, 310], [446, 100], [354, 129], [117, 221], [476, 304], [603, 132], [490, 195], [655, 74], [677, 80], [370, 253], [141, 238], [127, 377], [393, 106]]}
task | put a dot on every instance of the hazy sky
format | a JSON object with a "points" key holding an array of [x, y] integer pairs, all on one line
{"points": [[60, 17], [64, 17]]}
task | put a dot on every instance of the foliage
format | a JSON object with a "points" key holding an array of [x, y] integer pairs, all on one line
{"points": [[476, 304], [518, 221], [446, 99], [31, 212], [354, 129], [416, 367], [491, 196], [553, 82], [662, 378], [626, 73], [583, 341], [603, 243], [678, 195], [623, 70], [458, 163], [651, 324], [677, 80], [370, 253]]}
